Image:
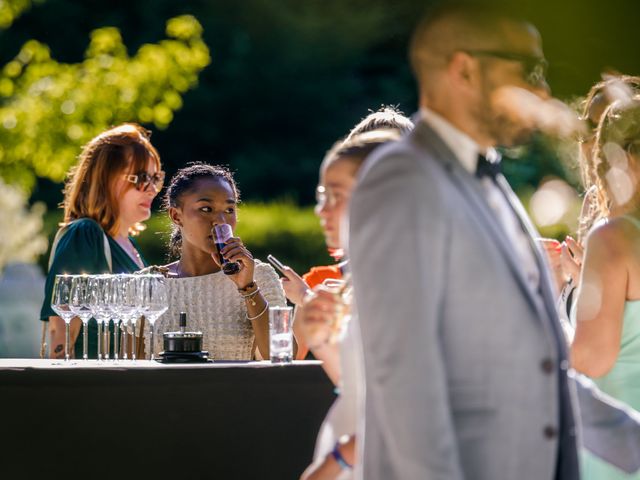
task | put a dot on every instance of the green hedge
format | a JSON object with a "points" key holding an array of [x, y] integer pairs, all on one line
{"points": [[289, 232]]}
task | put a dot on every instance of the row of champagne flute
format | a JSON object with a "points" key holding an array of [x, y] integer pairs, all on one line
{"points": [[121, 298]]}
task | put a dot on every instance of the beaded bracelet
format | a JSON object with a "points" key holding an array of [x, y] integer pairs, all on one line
{"points": [[266, 307], [335, 453]]}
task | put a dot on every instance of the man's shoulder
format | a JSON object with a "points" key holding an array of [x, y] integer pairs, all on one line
{"points": [[408, 155]]}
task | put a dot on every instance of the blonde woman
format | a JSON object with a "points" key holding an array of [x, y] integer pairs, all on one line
{"points": [[606, 345]]}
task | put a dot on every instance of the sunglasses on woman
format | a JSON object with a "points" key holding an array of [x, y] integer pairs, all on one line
{"points": [[142, 180]]}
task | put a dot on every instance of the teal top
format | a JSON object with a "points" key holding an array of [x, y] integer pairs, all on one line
{"points": [[81, 250], [621, 382]]}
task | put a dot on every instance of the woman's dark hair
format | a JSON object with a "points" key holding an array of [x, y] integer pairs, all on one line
{"points": [[182, 182]]}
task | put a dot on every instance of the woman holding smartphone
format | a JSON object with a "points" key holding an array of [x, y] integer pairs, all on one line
{"points": [[330, 209], [231, 310]]}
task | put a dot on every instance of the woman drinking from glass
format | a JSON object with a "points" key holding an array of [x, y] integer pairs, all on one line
{"points": [[230, 307]]}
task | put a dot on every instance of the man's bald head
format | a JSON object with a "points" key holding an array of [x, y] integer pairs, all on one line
{"points": [[454, 28]]}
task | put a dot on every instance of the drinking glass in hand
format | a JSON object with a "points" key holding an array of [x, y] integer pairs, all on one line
{"points": [[221, 233], [154, 301], [342, 290], [280, 334], [60, 300], [80, 304]]}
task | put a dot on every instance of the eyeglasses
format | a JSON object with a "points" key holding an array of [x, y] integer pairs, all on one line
{"points": [[535, 68], [326, 197], [142, 180]]}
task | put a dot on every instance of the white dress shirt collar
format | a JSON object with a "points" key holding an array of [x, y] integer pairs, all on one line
{"points": [[461, 144], [467, 152]]}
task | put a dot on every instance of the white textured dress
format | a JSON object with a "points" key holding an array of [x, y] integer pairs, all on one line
{"points": [[215, 308]]}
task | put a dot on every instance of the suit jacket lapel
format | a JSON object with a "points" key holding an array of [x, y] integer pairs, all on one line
{"points": [[473, 191], [546, 285]]}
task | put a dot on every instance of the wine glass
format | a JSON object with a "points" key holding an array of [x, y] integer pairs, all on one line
{"points": [[113, 300], [60, 300], [127, 307], [99, 306], [134, 295], [342, 289], [79, 303], [154, 301]]}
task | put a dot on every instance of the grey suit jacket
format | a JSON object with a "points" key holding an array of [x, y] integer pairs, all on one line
{"points": [[466, 370]]}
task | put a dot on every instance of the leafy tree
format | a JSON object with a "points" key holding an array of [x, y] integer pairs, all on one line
{"points": [[49, 109], [11, 9]]}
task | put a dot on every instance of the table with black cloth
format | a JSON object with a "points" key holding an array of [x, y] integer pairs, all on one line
{"points": [[147, 420]]}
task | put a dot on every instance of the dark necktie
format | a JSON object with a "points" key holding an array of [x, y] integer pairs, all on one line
{"points": [[487, 168]]}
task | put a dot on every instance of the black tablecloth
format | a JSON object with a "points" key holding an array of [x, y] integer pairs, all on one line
{"points": [[239, 421]]}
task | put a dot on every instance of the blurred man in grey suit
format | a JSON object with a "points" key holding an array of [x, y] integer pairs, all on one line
{"points": [[466, 366]]}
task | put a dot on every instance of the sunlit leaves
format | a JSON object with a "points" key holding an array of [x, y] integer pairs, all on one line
{"points": [[11, 9], [48, 110]]}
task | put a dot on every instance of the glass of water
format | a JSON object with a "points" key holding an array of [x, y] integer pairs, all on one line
{"points": [[281, 334]]}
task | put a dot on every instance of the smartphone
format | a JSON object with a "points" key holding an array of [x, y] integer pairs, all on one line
{"points": [[276, 263]]}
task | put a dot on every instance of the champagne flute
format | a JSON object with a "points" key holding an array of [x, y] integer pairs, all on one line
{"points": [[154, 301], [60, 300], [80, 306]]}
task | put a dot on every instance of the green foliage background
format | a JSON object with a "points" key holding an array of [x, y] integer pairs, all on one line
{"points": [[49, 109], [264, 87]]}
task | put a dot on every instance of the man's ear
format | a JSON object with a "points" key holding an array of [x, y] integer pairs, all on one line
{"points": [[175, 215], [463, 69]]}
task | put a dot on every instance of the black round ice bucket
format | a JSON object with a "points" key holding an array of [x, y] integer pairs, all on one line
{"points": [[182, 341]]}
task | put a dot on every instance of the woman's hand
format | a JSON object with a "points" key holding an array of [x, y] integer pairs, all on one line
{"points": [[571, 257], [295, 288], [552, 249], [321, 309], [235, 251]]}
